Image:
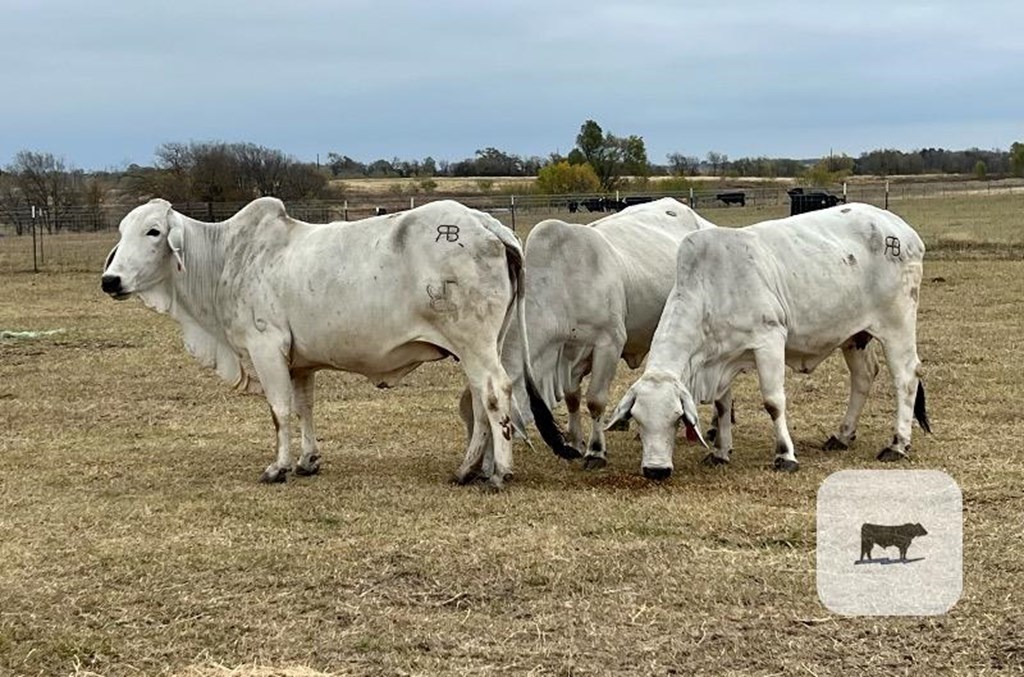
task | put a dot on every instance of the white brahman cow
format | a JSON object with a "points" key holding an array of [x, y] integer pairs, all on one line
{"points": [[782, 292], [594, 293], [377, 297]]}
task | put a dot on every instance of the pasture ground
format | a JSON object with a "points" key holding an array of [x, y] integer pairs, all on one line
{"points": [[135, 540]]}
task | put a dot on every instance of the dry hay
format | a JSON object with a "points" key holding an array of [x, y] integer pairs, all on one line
{"points": [[136, 540]]}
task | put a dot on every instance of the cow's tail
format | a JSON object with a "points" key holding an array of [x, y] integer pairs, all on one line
{"points": [[543, 418], [920, 413], [545, 421]]}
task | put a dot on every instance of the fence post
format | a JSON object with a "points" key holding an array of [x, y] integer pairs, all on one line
{"points": [[35, 264], [512, 208], [692, 205], [412, 203], [344, 210], [887, 194], [844, 191]]}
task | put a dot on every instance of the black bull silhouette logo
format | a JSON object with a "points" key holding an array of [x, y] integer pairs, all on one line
{"points": [[887, 537]]}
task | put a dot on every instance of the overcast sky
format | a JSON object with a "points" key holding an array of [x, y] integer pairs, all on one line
{"points": [[103, 83]]}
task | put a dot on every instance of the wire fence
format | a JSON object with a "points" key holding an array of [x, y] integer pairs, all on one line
{"points": [[79, 237]]}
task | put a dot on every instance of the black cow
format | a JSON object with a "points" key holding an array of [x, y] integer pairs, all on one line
{"points": [[800, 201], [887, 537], [603, 204], [736, 197]]}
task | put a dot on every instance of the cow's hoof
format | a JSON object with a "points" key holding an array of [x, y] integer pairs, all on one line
{"points": [[889, 455], [786, 465], [620, 426], [711, 460], [594, 462], [833, 443], [310, 469], [493, 485], [711, 434], [568, 452], [463, 478], [275, 476]]}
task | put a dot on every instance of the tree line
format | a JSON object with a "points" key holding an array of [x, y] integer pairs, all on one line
{"points": [[599, 161]]}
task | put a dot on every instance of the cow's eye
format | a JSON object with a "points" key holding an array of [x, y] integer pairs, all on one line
{"points": [[153, 232]]}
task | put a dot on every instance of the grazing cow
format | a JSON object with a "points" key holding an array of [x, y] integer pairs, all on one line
{"points": [[594, 293], [782, 292], [737, 197], [802, 202], [887, 537], [265, 292], [634, 200]]}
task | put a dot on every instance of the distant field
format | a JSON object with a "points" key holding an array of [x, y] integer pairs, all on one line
{"points": [[955, 224]]}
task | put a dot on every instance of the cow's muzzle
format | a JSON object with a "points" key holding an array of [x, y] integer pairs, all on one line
{"points": [[658, 474], [111, 284]]}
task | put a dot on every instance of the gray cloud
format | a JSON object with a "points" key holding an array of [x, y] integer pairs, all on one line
{"points": [[105, 82]]}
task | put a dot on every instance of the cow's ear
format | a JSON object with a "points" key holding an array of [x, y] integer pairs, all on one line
{"points": [[110, 258], [176, 238], [689, 418], [622, 412]]}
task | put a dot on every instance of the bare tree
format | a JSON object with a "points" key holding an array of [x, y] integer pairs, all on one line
{"points": [[45, 182], [718, 162], [262, 169], [14, 208], [683, 165]]}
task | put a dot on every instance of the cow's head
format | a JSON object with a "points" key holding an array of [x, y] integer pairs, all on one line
{"points": [[658, 403], [149, 249], [919, 530]]}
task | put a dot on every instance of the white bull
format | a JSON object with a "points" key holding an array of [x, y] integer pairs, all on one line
{"points": [[782, 292], [377, 297], [594, 293]]}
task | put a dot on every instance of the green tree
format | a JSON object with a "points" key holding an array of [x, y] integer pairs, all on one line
{"points": [[560, 178], [830, 170], [980, 170], [610, 156], [1017, 158]]}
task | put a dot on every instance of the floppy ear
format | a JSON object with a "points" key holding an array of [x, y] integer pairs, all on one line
{"points": [[110, 258], [176, 238], [622, 412], [689, 417]]}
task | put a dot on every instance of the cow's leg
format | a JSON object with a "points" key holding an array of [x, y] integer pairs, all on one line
{"points": [[478, 432], [712, 431], [303, 386], [572, 404], [466, 412], [269, 360], [492, 402], [604, 362], [771, 373], [901, 356], [719, 453], [863, 366]]}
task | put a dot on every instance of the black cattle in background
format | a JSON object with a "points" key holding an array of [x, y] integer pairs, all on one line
{"points": [[736, 197], [801, 201], [609, 204]]}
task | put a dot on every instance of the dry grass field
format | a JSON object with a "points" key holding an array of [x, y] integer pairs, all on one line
{"points": [[135, 540]]}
